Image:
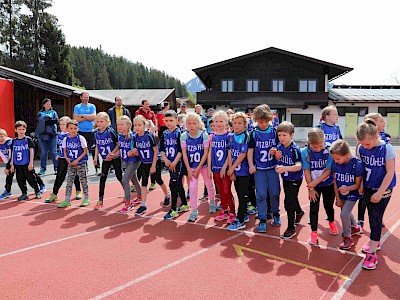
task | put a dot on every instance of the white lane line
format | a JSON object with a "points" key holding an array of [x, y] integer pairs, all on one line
{"points": [[27, 213], [162, 269], [357, 270]]}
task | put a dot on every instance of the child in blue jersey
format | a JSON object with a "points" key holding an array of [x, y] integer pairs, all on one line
{"points": [[379, 181], [347, 172], [145, 147], [378, 120], [62, 164], [131, 162], [171, 153], [75, 153], [262, 163], [290, 168], [317, 166], [5, 154], [106, 140], [22, 154], [218, 164], [331, 131], [195, 147], [238, 146]]}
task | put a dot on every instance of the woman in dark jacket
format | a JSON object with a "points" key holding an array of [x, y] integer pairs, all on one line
{"points": [[46, 130]]}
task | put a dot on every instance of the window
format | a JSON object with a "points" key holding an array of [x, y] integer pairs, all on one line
{"points": [[385, 110], [227, 86], [252, 85], [342, 110], [302, 120], [308, 86], [278, 86]]}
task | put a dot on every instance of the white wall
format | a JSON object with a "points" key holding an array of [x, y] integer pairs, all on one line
{"points": [[300, 133]]}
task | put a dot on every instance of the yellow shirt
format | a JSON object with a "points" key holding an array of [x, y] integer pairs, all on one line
{"points": [[118, 112]]}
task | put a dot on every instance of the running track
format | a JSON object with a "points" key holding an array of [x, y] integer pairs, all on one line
{"points": [[80, 253]]}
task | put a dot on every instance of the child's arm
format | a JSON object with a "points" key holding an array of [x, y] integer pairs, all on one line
{"points": [[282, 169], [250, 154], [222, 173], [31, 156], [353, 187], [239, 160], [312, 194], [155, 157], [96, 155], [84, 153], [339, 202], [318, 180], [390, 169], [186, 161], [201, 163], [113, 154], [209, 160]]}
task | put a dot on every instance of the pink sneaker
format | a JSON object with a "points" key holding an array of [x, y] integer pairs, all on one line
{"points": [[366, 247], [347, 243], [370, 261], [127, 208], [313, 240], [221, 217], [332, 228], [356, 230], [231, 218], [137, 200]]}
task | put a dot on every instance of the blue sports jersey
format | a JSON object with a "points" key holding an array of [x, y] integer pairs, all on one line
{"points": [[144, 144], [384, 136], [346, 174], [238, 144], [317, 162], [375, 165], [170, 144], [219, 152], [331, 132], [262, 141], [126, 145], [5, 150], [21, 153], [250, 124], [105, 141], [75, 149], [290, 156], [60, 137], [195, 150]]}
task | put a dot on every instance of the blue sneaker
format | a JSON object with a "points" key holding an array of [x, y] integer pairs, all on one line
{"points": [[246, 219], [262, 227], [23, 197], [251, 210], [5, 195], [236, 225], [276, 221], [42, 172], [193, 216], [171, 215], [42, 189], [213, 207], [219, 207]]}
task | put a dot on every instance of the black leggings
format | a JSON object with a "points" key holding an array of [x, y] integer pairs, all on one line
{"points": [[292, 205], [62, 170], [328, 196], [24, 175], [176, 187], [242, 189], [144, 173], [105, 168]]}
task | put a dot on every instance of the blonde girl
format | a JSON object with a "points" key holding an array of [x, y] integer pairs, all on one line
{"points": [[218, 166], [195, 147], [380, 125], [132, 163], [317, 165], [347, 172], [106, 140], [379, 181], [330, 117]]}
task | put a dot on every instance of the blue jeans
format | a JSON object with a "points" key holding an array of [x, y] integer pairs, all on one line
{"points": [[267, 182], [48, 147]]}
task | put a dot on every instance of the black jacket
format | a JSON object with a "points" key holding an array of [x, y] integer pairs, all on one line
{"points": [[113, 116]]}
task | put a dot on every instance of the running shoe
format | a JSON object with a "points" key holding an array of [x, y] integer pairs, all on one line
{"points": [[38, 195], [193, 216], [298, 217], [167, 201], [85, 202], [231, 218], [277, 221], [171, 215], [370, 261], [313, 240], [366, 247], [213, 207], [152, 187], [333, 228], [251, 210], [23, 197], [347, 243], [222, 216], [52, 198], [42, 172], [356, 230], [133, 189], [203, 198], [219, 207], [183, 208], [63, 204], [99, 205], [288, 234], [262, 227], [42, 189], [5, 195], [236, 225], [246, 219], [78, 195], [127, 208], [361, 225], [141, 210], [137, 200]]}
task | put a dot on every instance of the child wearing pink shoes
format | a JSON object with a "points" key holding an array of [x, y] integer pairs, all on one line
{"points": [[379, 181], [348, 173]]}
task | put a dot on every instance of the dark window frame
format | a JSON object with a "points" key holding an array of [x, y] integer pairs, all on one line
{"points": [[352, 109], [302, 117], [384, 110]]}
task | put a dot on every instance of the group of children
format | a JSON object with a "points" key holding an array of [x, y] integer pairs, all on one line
{"points": [[230, 153]]}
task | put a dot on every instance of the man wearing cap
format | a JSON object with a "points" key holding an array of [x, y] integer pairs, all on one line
{"points": [[160, 118], [117, 111], [183, 108]]}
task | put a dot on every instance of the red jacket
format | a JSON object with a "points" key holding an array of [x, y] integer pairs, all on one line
{"points": [[147, 115]]}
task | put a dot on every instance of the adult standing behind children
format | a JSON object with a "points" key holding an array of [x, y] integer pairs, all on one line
{"points": [[146, 112], [46, 130], [84, 114], [118, 110]]}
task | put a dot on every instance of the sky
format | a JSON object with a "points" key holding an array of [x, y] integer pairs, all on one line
{"points": [[177, 36]]}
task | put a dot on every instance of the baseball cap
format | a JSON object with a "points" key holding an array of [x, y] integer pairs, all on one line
{"points": [[210, 110], [183, 104]]}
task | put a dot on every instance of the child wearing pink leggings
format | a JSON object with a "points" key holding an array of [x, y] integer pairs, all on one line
{"points": [[195, 146]]}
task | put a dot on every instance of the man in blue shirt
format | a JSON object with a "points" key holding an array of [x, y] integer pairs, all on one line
{"points": [[84, 114]]}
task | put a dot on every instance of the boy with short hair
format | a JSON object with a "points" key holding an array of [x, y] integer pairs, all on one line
{"points": [[5, 154], [290, 167], [171, 153], [262, 163], [75, 153], [22, 154]]}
